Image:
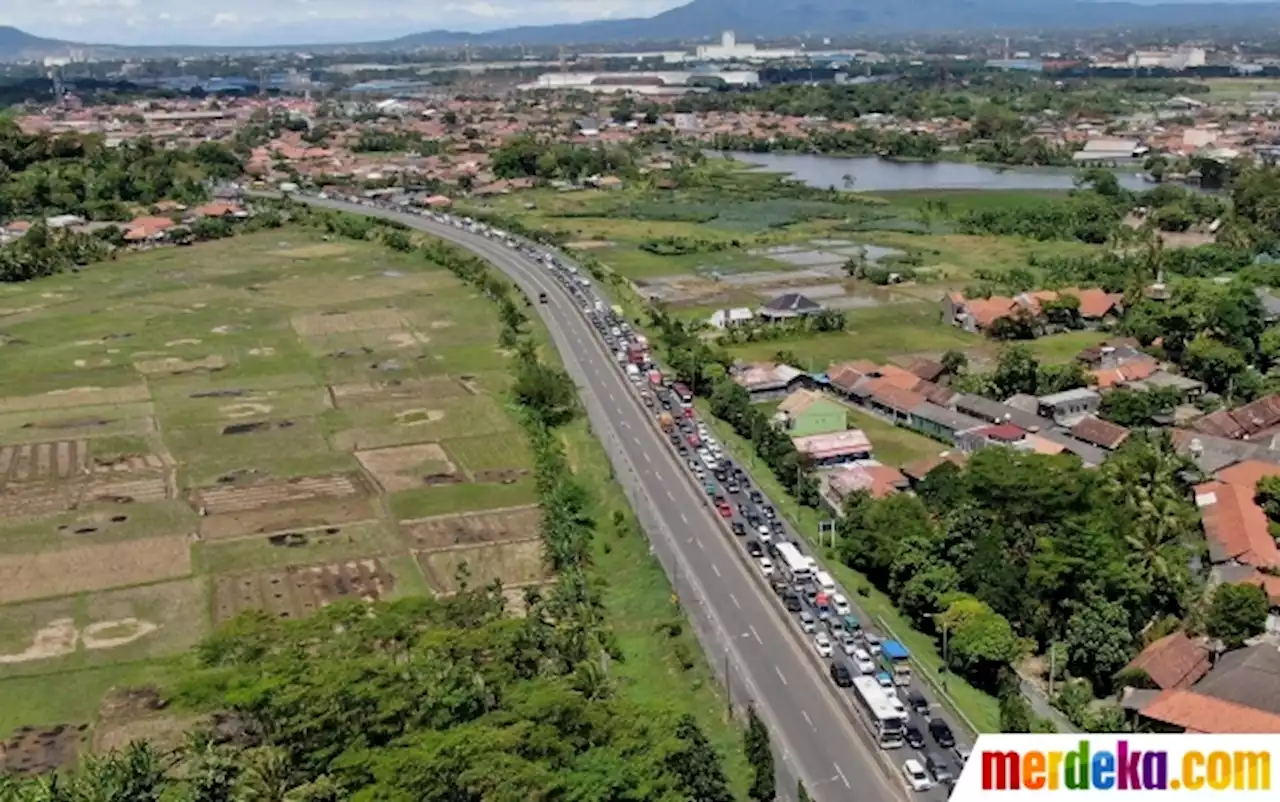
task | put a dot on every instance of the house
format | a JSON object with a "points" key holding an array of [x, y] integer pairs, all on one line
{"points": [[787, 307], [1096, 307], [1247, 422], [1106, 151], [879, 481], [1190, 388], [1101, 433], [995, 412], [767, 381], [728, 318], [1237, 695], [940, 422], [928, 369], [999, 434], [1112, 354], [1174, 661], [217, 209], [917, 471], [807, 412], [1069, 406], [1235, 527], [1125, 374], [144, 229], [835, 448], [437, 202], [891, 401], [587, 126]]}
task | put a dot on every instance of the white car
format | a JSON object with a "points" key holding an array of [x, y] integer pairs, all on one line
{"points": [[823, 644], [766, 566], [873, 642], [863, 662], [916, 776], [807, 621], [848, 644], [710, 462], [840, 603]]}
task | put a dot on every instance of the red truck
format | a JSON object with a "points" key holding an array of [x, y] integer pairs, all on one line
{"points": [[682, 392]]}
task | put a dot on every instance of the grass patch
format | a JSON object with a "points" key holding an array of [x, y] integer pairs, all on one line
{"points": [[980, 707], [454, 498], [369, 539], [877, 333], [71, 697], [893, 445], [1064, 347]]}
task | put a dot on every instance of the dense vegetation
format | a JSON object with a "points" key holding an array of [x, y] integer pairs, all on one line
{"points": [[429, 699], [44, 175], [1018, 552]]}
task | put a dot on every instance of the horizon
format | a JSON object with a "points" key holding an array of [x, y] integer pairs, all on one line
{"points": [[298, 23]]}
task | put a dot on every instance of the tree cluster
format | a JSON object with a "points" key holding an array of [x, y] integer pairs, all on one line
{"points": [[1023, 550], [527, 156]]}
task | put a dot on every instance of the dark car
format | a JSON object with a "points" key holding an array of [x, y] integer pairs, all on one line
{"points": [[738, 528], [753, 548], [542, 297], [938, 768], [913, 736], [770, 512], [779, 586], [731, 487], [756, 497], [841, 675], [792, 602], [941, 733], [918, 704]]}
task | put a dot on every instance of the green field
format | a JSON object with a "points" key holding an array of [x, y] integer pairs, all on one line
{"points": [[272, 381]]}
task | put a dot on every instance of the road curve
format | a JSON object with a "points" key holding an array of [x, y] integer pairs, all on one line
{"points": [[807, 719]]}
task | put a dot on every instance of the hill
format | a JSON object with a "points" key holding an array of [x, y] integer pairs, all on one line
{"points": [[774, 18], [17, 44]]}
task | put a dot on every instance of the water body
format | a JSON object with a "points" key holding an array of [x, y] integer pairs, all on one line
{"points": [[872, 174]]}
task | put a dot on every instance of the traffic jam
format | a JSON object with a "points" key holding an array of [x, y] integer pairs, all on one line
{"points": [[875, 671]]}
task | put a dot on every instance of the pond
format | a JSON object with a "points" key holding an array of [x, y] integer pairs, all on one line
{"points": [[872, 174]]}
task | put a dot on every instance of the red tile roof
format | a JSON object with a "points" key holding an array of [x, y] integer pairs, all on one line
{"points": [[1004, 432], [1194, 712], [923, 467], [886, 393], [1174, 661], [1130, 371], [1240, 423], [1235, 526], [1099, 432]]}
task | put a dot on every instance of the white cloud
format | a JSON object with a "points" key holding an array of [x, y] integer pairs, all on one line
{"points": [[297, 21]]}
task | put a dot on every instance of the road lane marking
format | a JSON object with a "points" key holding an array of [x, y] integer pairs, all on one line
{"points": [[683, 517], [778, 671], [716, 570], [808, 720], [647, 458], [734, 599], [673, 498], [757, 634], [843, 778]]}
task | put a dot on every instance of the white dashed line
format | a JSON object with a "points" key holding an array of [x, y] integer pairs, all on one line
{"points": [[683, 517], [778, 671], [756, 634], [647, 458], [734, 599], [808, 720], [673, 498], [843, 778], [716, 570]]}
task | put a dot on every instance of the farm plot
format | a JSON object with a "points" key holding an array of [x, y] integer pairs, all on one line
{"points": [[78, 422], [122, 624], [92, 567], [271, 445], [377, 425], [40, 750], [484, 461], [358, 394], [406, 467], [257, 507], [296, 592], [321, 544], [516, 564], [76, 397], [469, 529], [52, 477]]}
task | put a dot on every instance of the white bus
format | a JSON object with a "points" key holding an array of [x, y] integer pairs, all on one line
{"points": [[885, 720], [800, 566]]}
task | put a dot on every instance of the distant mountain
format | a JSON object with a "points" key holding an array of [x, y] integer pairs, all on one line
{"points": [[16, 44], [774, 18]]}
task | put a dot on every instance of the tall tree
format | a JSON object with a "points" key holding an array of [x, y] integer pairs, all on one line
{"points": [[760, 756]]}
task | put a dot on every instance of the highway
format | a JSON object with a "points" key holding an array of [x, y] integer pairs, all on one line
{"points": [[808, 719]]}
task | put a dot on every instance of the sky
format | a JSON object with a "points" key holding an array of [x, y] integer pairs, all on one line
{"points": [[269, 22], [255, 22]]}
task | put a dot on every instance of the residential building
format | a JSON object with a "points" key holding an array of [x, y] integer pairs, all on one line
{"points": [[728, 318], [1236, 528], [879, 481], [835, 448], [1069, 407], [1251, 421], [1101, 433], [767, 381], [1108, 152], [1238, 694], [807, 412], [917, 471], [939, 422], [1096, 308], [787, 307], [1174, 661], [1000, 434]]}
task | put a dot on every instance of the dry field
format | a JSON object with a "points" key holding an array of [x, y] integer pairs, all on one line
{"points": [[187, 434]]}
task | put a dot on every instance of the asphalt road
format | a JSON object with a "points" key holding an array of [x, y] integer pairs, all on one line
{"points": [[807, 718]]}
